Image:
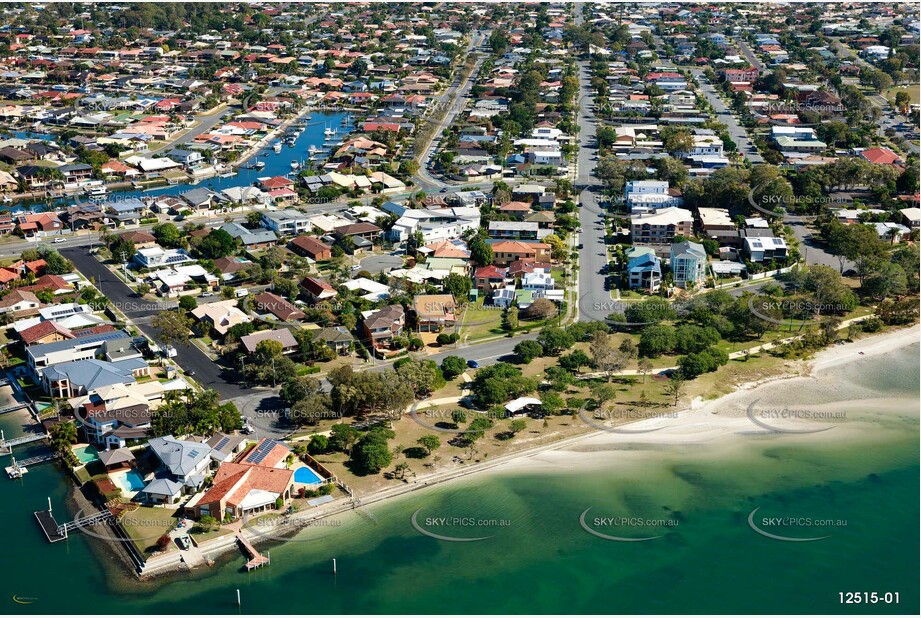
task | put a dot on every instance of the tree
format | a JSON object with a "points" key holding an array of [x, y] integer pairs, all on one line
{"points": [[429, 442], [62, 436], [542, 309], [56, 264], [558, 249], [453, 366], [554, 340], [371, 453], [187, 303], [902, 100], [528, 350], [458, 285], [173, 327], [517, 426], [253, 219], [510, 318], [318, 445], [675, 386], [645, 366], [606, 355], [602, 393], [218, 244], [480, 251], [657, 340], [575, 360], [342, 437], [167, 235]]}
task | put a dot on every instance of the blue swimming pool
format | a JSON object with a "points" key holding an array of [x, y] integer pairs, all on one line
{"points": [[130, 481], [307, 476]]}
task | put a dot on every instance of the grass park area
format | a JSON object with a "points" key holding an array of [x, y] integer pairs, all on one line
{"points": [[914, 90]]}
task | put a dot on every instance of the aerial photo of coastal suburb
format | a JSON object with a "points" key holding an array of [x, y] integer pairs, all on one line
{"points": [[459, 308]]}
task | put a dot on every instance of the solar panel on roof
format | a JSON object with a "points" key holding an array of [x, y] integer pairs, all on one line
{"points": [[223, 442], [261, 451], [193, 453]]}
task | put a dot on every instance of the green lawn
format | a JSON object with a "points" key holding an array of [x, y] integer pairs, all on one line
{"points": [[147, 524], [479, 322]]}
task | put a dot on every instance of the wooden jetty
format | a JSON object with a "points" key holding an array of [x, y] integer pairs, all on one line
{"points": [[256, 559], [55, 532]]}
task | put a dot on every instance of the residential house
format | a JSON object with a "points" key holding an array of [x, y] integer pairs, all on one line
{"points": [[317, 290], [336, 338], [311, 247], [283, 336], [688, 263], [507, 251], [379, 327], [221, 316], [434, 312], [272, 304], [661, 226], [644, 269]]}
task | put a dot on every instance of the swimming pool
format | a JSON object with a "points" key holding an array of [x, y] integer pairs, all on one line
{"points": [[86, 453], [130, 482], [307, 476]]}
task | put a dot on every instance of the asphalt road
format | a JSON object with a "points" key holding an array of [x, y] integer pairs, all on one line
{"points": [[594, 301], [724, 115], [141, 312], [456, 94]]}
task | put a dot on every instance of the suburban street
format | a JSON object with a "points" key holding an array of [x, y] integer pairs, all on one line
{"points": [[594, 301], [455, 97], [724, 115], [141, 312]]}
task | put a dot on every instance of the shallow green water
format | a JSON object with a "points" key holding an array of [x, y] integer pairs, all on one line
{"points": [[543, 561]]}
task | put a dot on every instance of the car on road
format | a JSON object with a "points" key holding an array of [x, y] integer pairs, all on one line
{"points": [[59, 239], [191, 374], [473, 364], [206, 295]]}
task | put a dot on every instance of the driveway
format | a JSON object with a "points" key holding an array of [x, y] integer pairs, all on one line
{"points": [[226, 381]]}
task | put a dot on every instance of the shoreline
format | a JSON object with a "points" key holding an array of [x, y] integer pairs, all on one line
{"points": [[697, 424]]}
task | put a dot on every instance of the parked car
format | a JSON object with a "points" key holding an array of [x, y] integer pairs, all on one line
{"points": [[473, 364], [183, 542]]}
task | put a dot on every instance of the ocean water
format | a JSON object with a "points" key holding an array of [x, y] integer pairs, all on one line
{"points": [[536, 557]]}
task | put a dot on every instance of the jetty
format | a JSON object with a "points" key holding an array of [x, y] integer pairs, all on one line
{"points": [[6, 446], [55, 532], [17, 468], [256, 559]]}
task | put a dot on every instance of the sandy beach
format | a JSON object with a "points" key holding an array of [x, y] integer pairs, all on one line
{"points": [[720, 423]]}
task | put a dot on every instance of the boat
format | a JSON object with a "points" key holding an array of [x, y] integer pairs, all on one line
{"points": [[295, 165], [277, 147], [256, 165], [329, 132], [96, 194]]}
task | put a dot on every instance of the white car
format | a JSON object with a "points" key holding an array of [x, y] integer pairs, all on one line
{"points": [[59, 239]]}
